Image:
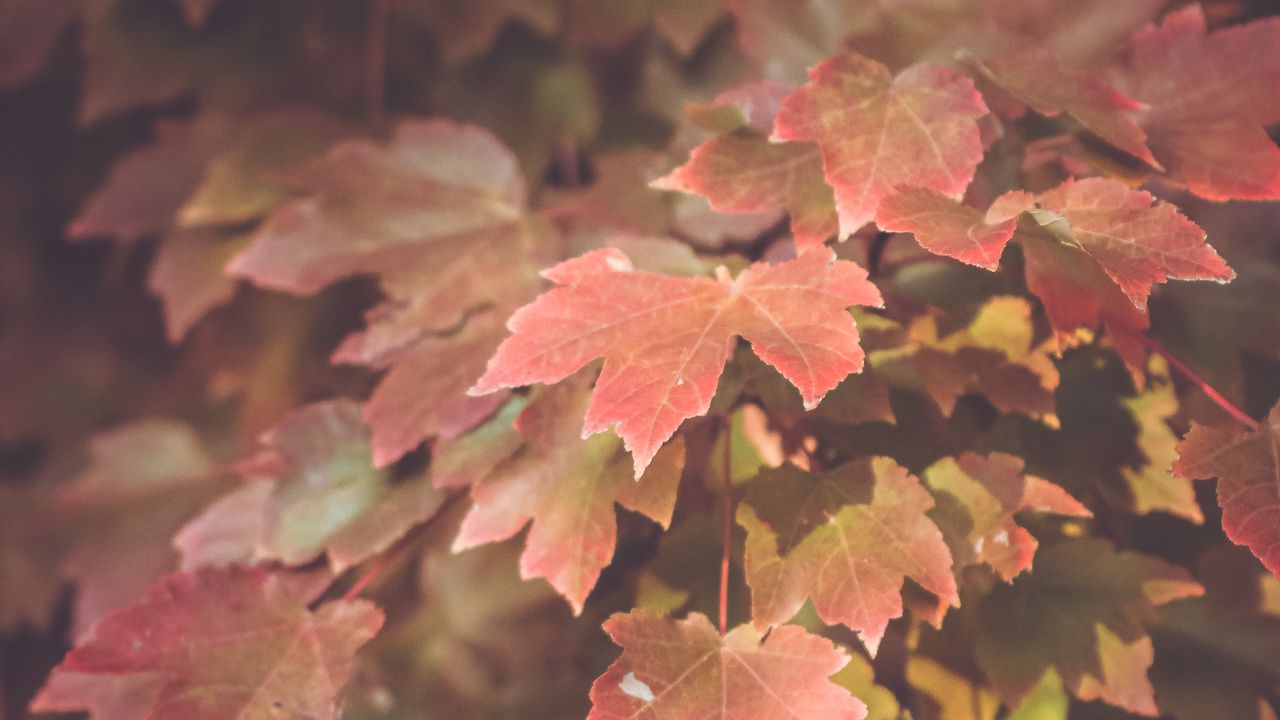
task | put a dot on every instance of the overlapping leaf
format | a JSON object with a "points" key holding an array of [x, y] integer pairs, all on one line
{"points": [[478, 643], [1219, 655], [741, 171], [1209, 98], [195, 187], [226, 644], [439, 214], [1152, 485], [434, 182], [996, 355], [945, 227], [1037, 78], [846, 539], [565, 487], [189, 275], [666, 339], [1247, 466], [1093, 248], [1081, 611], [684, 669], [143, 482], [877, 132], [978, 497], [316, 492]]}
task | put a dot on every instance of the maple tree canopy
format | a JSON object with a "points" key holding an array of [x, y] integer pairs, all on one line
{"points": [[640, 359]]}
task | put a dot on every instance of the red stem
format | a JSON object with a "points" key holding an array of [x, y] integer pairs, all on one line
{"points": [[1153, 345], [728, 528], [370, 575], [376, 62]]}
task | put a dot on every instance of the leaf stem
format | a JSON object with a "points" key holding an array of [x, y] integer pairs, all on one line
{"points": [[1155, 346], [727, 527], [376, 62]]}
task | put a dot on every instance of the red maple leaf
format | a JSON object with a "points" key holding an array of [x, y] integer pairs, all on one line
{"points": [[1036, 78], [684, 669], [877, 132], [1210, 97], [1247, 465], [741, 171], [1093, 248], [224, 644], [847, 539], [566, 487], [666, 339]]}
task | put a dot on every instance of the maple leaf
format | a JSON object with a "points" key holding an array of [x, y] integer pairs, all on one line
{"points": [[1247, 465], [1080, 34], [479, 643], [247, 177], [1209, 98], [1093, 248], [877, 132], [435, 181], [945, 227], [315, 491], [666, 339], [955, 695], [847, 539], [224, 644], [147, 187], [978, 497], [144, 480], [857, 399], [439, 213], [1152, 484], [741, 171], [1036, 78], [1136, 244], [1219, 655], [188, 275], [683, 668], [1080, 611], [858, 677], [566, 486], [104, 697], [995, 355], [423, 392]]}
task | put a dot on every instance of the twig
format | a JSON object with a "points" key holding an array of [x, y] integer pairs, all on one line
{"points": [[1221, 400], [728, 528], [376, 62]]}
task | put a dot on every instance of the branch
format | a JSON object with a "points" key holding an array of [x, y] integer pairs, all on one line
{"points": [[728, 527], [1186, 371]]}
